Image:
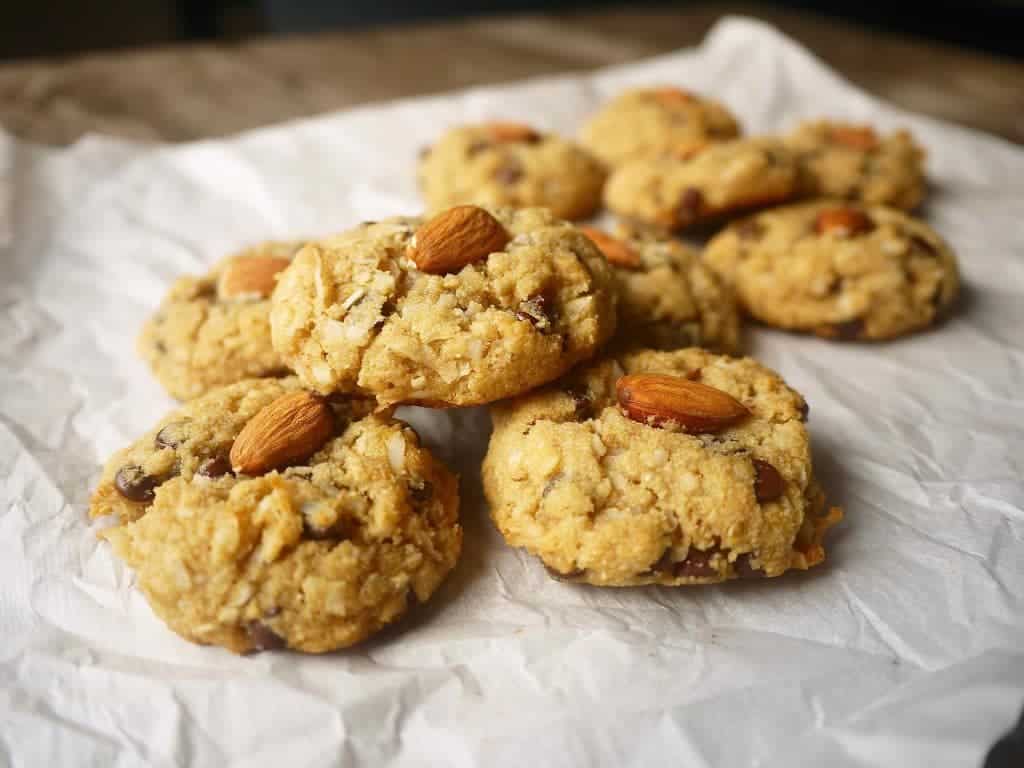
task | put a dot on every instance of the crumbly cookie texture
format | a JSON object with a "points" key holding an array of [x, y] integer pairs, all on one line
{"points": [[851, 161], [677, 191], [838, 270], [202, 337], [508, 164], [668, 299], [314, 556], [354, 313], [647, 122], [603, 499]]}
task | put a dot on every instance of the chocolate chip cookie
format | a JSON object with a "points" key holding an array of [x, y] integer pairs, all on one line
{"points": [[838, 269], [215, 329], [676, 191], [670, 468], [648, 122], [510, 164], [846, 160], [668, 299], [263, 516], [466, 308]]}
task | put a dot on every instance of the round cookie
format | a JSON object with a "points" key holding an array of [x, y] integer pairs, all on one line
{"points": [[700, 186], [668, 299], [844, 160], [647, 122], [509, 164], [484, 320], [352, 523], [837, 269], [608, 500], [215, 330]]}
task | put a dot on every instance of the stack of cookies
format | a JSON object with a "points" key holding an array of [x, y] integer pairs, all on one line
{"points": [[283, 505]]}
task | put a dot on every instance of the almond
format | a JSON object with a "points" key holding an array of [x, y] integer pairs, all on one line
{"points": [[455, 238], [657, 400], [249, 277], [289, 430], [502, 132], [616, 251], [671, 96], [843, 222], [855, 136]]}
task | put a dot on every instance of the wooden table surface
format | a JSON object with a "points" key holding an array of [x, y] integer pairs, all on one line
{"points": [[179, 93]]}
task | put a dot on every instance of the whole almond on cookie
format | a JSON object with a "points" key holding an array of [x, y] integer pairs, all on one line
{"points": [[656, 400], [843, 222], [289, 430], [249, 277], [616, 251], [455, 238]]}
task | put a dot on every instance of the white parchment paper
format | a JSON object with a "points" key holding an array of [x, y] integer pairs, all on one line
{"points": [[906, 649]]}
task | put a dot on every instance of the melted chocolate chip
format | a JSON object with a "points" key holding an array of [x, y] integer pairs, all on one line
{"points": [[134, 484], [535, 310], [583, 405], [575, 573], [263, 638], [745, 570], [690, 203], [172, 435], [768, 483], [924, 246], [509, 172], [849, 330], [805, 410], [215, 466], [420, 490], [696, 564]]}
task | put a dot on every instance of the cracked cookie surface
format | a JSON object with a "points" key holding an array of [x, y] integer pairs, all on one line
{"points": [[850, 161], [199, 339], [678, 191], [606, 500], [838, 270], [646, 122], [312, 556], [353, 313], [507, 164]]}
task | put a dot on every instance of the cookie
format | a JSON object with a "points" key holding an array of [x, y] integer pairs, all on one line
{"points": [[703, 185], [648, 122], [510, 164], [838, 269], [464, 309], [669, 468], [668, 299], [845, 160], [215, 330], [262, 516]]}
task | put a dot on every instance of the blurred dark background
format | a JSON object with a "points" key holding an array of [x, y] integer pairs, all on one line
{"points": [[53, 27]]}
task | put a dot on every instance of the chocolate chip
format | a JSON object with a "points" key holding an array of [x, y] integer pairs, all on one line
{"points": [[134, 484], [695, 374], [745, 570], [337, 532], [420, 490], [535, 310], [583, 404], [849, 330], [690, 203], [768, 483], [805, 410], [749, 229], [924, 245], [388, 308], [575, 573], [263, 638], [172, 435], [696, 564], [215, 466], [509, 172]]}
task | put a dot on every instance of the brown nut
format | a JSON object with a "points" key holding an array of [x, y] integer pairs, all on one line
{"points": [[855, 136], [656, 400], [843, 222], [455, 238], [287, 431], [506, 132], [249, 278], [616, 251]]}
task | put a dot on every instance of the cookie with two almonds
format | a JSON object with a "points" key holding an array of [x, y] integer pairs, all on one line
{"points": [[670, 468], [465, 308], [510, 164], [262, 515]]}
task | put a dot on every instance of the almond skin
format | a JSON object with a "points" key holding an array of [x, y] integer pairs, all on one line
{"points": [[855, 136], [656, 400], [455, 238], [287, 431], [843, 222], [616, 251], [768, 483], [503, 132], [249, 277]]}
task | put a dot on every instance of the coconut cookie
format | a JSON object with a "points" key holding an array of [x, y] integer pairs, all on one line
{"points": [[510, 164], [838, 270], [844, 160], [263, 516], [647, 122], [215, 330], [468, 307], [667, 298], [702, 185], [669, 468]]}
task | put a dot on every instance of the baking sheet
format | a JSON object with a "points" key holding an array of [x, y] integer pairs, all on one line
{"points": [[907, 648]]}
